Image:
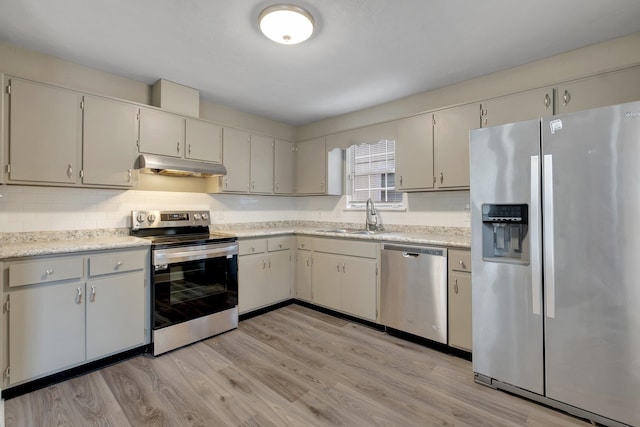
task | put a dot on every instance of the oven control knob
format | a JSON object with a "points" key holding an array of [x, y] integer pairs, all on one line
{"points": [[141, 217], [205, 216], [196, 216], [151, 217]]}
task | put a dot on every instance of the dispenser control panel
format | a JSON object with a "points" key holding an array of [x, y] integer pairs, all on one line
{"points": [[505, 233]]}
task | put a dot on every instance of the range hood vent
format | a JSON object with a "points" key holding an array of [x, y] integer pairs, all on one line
{"points": [[164, 165]]}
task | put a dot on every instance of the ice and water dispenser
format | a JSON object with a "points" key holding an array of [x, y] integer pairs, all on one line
{"points": [[505, 235]]}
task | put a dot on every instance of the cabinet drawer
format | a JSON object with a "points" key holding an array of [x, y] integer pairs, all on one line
{"points": [[252, 246], [346, 247], [43, 271], [303, 242], [278, 243], [460, 260], [116, 262]]}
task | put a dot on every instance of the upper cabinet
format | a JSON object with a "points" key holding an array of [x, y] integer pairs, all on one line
{"points": [[599, 91], [236, 153], [261, 164], [414, 153], [517, 107], [318, 171], [79, 140], [284, 167], [109, 142], [161, 133], [451, 145], [44, 133], [204, 140]]}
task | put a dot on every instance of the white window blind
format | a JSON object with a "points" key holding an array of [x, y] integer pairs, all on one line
{"points": [[371, 169]]}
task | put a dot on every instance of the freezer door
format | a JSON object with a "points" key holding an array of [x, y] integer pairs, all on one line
{"points": [[591, 204], [507, 296]]}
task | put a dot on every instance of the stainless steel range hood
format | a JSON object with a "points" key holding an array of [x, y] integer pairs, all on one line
{"points": [[165, 165]]}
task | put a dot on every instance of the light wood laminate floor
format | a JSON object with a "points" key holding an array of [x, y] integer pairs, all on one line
{"points": [[291, 367]]}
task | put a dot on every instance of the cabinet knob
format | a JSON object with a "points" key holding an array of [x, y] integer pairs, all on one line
{"points": [[79, 296], [462, 264], [566, 97], [118, 264], [178, 147], [92, 296], [49, 271], [441, 177], [264, 265], [189, 149], [400, 180], [338, 267], [547, 100], [129, 174], [343, 268], [69, 171], [280, 245], [455, 286]]}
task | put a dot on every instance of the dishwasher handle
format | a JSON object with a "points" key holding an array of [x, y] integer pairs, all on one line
{"points": [[415, 251]]}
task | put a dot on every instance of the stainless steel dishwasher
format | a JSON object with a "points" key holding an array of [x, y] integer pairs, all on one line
{"points": [[413, 295]]}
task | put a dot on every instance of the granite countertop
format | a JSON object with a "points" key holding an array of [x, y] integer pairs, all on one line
{"points": [[439, 236], [16, 245]]}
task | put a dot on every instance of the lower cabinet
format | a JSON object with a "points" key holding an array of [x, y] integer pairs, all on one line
{"points": [[61, 311], [459, 290], [264, 272], [304, 259], [344, 276]]}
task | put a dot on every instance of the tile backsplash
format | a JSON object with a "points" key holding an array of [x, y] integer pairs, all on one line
{"points": [[27, 208]]}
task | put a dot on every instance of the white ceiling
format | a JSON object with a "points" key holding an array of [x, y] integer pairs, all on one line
{"points": [[363, 53]]}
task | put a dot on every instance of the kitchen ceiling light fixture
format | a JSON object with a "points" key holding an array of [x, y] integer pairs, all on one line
{"points": [[286, 23]]}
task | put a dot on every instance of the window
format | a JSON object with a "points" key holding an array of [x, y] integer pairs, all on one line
{"points": [[371, 173]]}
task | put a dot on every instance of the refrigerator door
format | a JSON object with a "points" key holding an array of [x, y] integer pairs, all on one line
{"points": [[507, 296], [591, 204]]}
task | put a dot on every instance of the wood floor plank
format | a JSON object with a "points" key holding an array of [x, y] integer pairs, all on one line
{"points": [[290, 367]]}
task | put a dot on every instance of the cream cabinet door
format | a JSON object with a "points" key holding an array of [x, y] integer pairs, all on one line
{"points": [[278, 276], [115, 314], [109, 142], [261, 164], [414, 153], [326, 279], [303, 275], [252, 289], [204, 140], [311, 159], [451, 144], [284, 167], [517, 107], [236, 155], [359, 290], [161, 133], [46, 329], [45, 129], [460, 310], [606, 89]]}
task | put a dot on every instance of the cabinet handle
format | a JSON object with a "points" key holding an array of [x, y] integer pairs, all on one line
{"points": [[307, 261], [280, 245], [455, 286], [301, 245], [79, 296], [49, 271], [189, 149], [253, 185], [462, 264], [178, 147], [92, 297], [400, 180], [486, 120], [129, 173], [69, 171], [566, 97], [264, 265], [269, 265], [441, 177], [338, 267], [322, 186], [547, 100], [343, 269], [118, 264]]}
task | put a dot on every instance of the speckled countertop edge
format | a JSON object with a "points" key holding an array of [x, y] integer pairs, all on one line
{"points": [[18, 245], [457, 237]]}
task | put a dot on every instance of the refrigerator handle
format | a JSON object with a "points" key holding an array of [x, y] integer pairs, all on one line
{"points": [[549, 275], [536, 268]]}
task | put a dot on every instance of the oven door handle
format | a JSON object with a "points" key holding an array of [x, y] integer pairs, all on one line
{"points": [[162, 257]]}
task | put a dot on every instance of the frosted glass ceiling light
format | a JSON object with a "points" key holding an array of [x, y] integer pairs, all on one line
{"points": [[286, 23]]}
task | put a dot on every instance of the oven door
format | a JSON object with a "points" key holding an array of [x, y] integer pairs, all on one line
{"points": [[189, 282]]}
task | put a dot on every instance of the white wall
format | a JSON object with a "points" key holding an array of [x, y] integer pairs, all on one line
{"points": [[26, 208]]}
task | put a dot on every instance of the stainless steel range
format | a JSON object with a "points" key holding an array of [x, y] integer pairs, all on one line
{"points": [[194, 277]]}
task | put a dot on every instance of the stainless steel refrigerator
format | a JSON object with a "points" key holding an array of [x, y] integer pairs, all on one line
{"points": [[555, 218]]}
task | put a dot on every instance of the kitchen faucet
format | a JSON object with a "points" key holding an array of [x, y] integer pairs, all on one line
{"points": [[371, 221]]}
